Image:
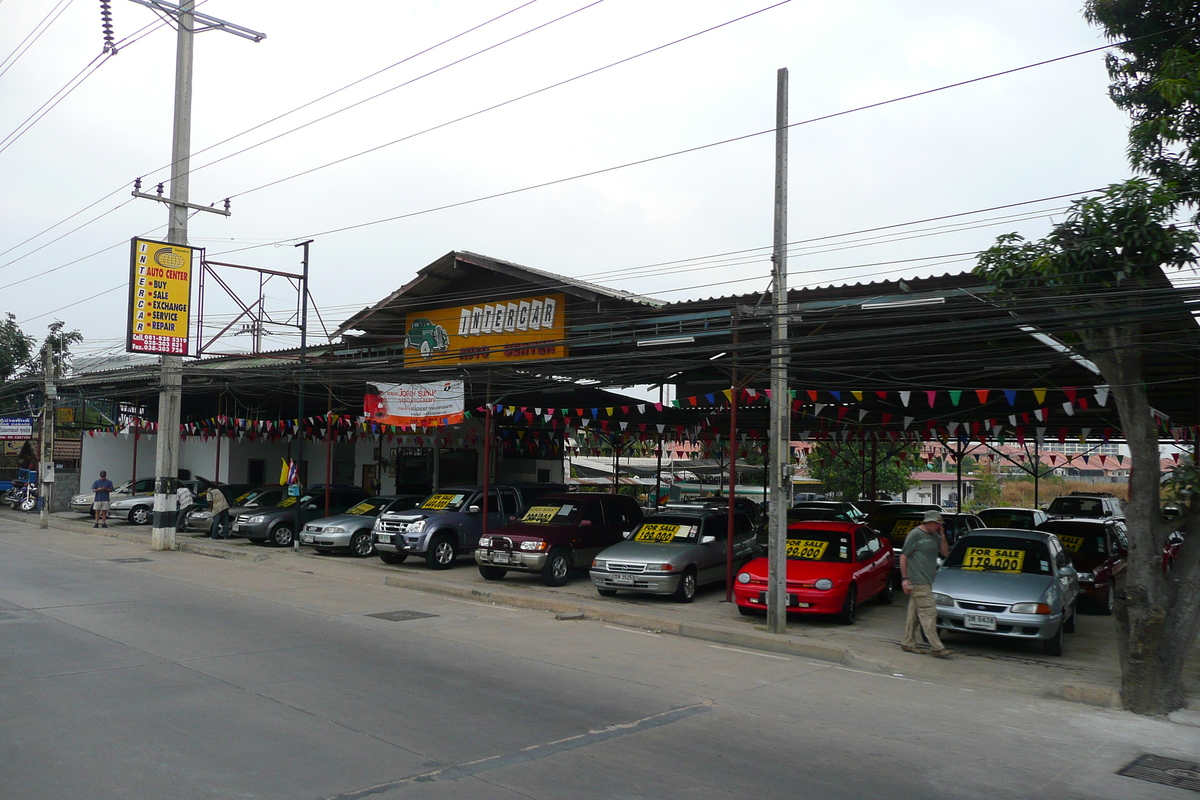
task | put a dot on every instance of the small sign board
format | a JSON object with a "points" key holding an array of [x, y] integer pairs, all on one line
{"points": [[16, 428], [160, 291]]}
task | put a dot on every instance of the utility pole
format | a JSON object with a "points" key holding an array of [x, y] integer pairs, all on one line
{"points": [[170, 396], [301, 473], [781, 405], [46, 468]]}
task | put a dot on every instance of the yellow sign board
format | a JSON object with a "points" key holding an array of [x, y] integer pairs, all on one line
{"points": [[522, 329], [806, 549], [994, 559], [160, 291], [657, 532]]}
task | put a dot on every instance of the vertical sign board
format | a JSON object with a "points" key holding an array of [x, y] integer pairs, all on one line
{"points": [[160, 291]]}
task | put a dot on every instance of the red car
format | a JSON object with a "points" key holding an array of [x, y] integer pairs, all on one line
{"points": [[831, 567]]}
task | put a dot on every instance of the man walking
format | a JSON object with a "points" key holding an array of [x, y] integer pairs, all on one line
{"points": [[918, 563], [100, 501], [219, 507]]}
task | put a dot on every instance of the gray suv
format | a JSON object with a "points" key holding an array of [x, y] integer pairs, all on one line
{"points": [[450, 521]]}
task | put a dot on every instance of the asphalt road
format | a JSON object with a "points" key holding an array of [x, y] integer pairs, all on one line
{"points": [[179, 676]]}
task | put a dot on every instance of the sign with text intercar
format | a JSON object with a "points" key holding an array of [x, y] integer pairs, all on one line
{"points": [[521, 329], [160, 291]]}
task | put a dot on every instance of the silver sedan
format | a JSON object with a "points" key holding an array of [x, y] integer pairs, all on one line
{"points": [[352, 530], [1010, 583], [673, 554]]}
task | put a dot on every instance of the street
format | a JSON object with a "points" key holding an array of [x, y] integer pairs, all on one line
{"points": [[135, 674]]}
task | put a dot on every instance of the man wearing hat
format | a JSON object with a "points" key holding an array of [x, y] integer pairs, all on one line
{"points": [[918, 563]]}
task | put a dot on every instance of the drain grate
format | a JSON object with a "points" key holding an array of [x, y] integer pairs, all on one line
{"points": [[401, 616], [130, 560], [1167, 771]]}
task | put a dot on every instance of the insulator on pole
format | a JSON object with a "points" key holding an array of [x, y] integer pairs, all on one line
{"points": [[106, 23]]}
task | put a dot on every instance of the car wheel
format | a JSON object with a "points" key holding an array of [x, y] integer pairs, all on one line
{"points": [[888, 594], [557, 569], [441, 552], [426, 350], [607, 592], [139, 515], [1069, 622], [685, 592], [1053, 645], [849, 606], [1104, 606], [492, 573], [361, 545], [281, 536], [392, 558]]}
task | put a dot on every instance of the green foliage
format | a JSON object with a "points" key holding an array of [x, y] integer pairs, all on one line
{"points": [[60, 342], [1121, 237], [987, 490], [15, 348], [845, 469], [1155, 78]]}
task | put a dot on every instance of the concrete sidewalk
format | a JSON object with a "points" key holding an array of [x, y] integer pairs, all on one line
{"points": [[1087, 672]]}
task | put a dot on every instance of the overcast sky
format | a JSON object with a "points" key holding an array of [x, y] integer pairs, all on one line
{"points": [[1037, 133]]}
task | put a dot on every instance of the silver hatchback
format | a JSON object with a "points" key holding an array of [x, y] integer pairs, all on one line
{"points": [[1012, 583]]}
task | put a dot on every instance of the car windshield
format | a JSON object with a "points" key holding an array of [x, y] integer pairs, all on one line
{"points": [[445, 501], [989, 553], [266, 498], [817, 513], [1076, 538], [555, 513], [368, 508], [665, 530], [1005, 517], [1077, 506], [811, 545]]}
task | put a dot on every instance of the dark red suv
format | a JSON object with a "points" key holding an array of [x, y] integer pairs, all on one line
{"points": [[1097, 548], [559, 533]]}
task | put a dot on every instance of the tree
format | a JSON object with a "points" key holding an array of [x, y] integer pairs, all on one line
{"points": [[987, 490], [845, 468], [1104, 265], [60, 342], [15, 348]]}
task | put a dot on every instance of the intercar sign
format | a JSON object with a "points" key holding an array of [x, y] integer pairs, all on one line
{"points": [[160, 291], [16, 428], [523, 329]]}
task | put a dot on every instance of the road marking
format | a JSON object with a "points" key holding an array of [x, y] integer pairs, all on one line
{"points": [[534, 753], [748, 652], [629, 630]]}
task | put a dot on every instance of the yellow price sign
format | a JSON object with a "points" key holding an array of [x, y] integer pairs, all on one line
{"points": [[361, 508], [1072, 543], [438, 502], [542, 514], [287, 501], [902, 528], [807, 549], [998, 522], [656, 532], [994, 559]]}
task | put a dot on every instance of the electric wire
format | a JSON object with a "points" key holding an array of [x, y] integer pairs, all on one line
{"points": [[36, 34]]}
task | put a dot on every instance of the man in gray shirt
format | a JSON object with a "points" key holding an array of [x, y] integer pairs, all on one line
{"points": [[918, 563]]}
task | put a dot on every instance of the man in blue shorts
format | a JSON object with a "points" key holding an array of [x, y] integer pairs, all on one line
{"points": [[102, 488]]}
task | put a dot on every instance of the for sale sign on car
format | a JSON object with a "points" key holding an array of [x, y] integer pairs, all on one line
{"points": [[160, 291], [424, 404], [521, 329], [16, 428]]}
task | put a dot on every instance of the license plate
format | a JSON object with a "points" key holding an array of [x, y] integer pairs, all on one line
{"points": [[626, 580], [306, 539], [980, 622], [499, 558], [386, 538]]}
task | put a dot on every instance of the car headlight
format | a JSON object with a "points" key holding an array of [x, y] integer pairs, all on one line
{"points": [[416, 527], [943, 600], [1030, 608], [660, 567], [335, 530], [599, 563], [1087, 577], [743, 577], [256, 520], [824, 584], [534, 545]]}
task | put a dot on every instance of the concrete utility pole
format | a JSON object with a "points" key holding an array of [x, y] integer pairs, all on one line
{"points": [[781, 405], [170, 396], [46, 468]]}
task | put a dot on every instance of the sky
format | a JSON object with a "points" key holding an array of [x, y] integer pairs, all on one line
{"points": [[662, 228]]}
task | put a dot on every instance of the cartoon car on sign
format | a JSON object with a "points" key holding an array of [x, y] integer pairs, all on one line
{"points": [[427, 337]]}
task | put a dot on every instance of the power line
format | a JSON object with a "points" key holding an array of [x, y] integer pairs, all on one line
{"points": [[32, 37]]}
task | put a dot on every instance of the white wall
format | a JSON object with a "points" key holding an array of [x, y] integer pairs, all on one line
{"points": [[114, 454]]}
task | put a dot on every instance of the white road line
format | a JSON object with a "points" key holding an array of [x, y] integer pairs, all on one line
{"points": [[748, 652], [629, 630]]}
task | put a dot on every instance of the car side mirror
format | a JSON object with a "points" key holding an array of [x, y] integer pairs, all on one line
{"points": [[626, 534], [707, 539], [872, 544], [473, 509], [311, 507]]}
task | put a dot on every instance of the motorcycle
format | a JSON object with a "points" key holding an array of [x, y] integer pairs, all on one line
{"points": [[29, 498]]}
